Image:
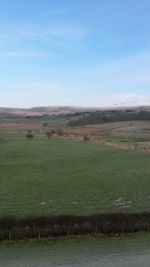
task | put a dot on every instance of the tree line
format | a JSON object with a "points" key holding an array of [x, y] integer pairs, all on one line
{"points": [[104, 224], [110, 116]]}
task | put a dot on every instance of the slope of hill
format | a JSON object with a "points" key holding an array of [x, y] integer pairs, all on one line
{"points": [[108, 116]]}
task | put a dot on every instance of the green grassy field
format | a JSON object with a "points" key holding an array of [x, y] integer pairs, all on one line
{"points": [[63, 176]]}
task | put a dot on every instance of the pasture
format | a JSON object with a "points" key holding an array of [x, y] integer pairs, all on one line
{"points": [[60, 176]]}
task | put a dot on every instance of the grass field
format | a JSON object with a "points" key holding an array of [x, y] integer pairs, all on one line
{"points": [[63, 176]]}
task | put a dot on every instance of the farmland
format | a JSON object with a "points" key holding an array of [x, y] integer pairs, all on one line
{"points": [[61, 175]]}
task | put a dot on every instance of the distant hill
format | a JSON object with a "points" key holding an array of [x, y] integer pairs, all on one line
{"points": [[40, 111], [58, 110]]}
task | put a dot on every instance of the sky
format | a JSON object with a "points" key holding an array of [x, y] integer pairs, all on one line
{"points": [[74, 53]]}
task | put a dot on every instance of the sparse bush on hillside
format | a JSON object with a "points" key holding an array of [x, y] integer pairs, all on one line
{"points": [[53, 131], [86, 138], [136, 146], [59, 132], [45, 124], [49, 134], [30, 135]]}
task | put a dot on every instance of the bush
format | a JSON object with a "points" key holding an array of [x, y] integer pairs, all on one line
{"points": [[86, 138], [59, 132], [29, 134]]}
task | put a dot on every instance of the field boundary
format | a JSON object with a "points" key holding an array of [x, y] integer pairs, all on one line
{"points": [[125, 147], [59, 226]]}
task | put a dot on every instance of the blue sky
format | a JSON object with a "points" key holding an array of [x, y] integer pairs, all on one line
{"points": [[83, 52]]}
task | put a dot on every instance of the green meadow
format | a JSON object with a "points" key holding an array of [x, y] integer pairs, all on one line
{"points": [[59, 176]]}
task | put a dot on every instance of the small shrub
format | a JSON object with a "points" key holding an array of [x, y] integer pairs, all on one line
{"points": [[30, 136], [59, 132], [49, 134], [86, 138], [45, 124]]}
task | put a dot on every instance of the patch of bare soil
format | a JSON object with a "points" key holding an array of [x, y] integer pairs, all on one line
{"points": [[87, 131], [19, 126]]}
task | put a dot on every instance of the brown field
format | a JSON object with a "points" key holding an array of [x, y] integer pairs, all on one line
{"points": [[107, 128], [19, 126], [98, 133]]}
